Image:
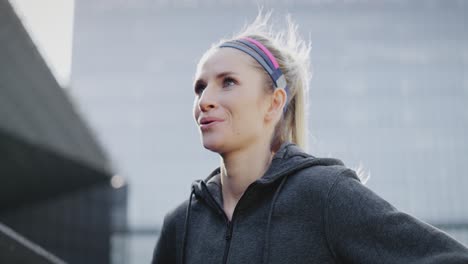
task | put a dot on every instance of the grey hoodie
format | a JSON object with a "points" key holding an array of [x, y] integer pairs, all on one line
{"points": [[303, 210]]}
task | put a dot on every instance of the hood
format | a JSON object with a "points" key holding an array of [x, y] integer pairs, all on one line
{"points": [[288, 159]]}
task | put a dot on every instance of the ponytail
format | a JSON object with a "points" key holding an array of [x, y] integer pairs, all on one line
{"points": [[292, 54]]}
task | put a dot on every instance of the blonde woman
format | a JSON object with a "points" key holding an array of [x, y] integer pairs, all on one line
{"points": [[269, 201]]}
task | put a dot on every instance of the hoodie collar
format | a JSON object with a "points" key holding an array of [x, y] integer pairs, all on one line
{"points": [[288, 159]]}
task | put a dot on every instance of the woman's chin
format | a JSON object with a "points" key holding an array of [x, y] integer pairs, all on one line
{"points": [[213, 145]]}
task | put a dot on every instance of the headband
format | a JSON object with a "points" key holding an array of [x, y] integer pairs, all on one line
{"points": [[263, 56]]}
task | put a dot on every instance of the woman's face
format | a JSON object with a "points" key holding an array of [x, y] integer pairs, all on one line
{"points": [[230, 101]]}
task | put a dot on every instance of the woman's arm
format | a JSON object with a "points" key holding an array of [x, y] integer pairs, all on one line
{"points": [[361, 227]]}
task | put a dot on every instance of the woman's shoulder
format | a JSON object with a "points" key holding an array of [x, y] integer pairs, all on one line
{"points": [[176, 215], [339, 189]]}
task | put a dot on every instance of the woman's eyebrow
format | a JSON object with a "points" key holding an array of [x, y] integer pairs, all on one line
{"points": [[224, 74], [218, 76]]}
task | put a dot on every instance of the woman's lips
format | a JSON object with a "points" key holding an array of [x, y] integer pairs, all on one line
{"points": [[209, 125], [207, 122]]}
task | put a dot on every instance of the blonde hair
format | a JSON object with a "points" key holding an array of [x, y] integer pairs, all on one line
{"points": [[292, 55]]}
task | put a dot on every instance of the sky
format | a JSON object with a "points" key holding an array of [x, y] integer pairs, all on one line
{"points": [[50, 25]]}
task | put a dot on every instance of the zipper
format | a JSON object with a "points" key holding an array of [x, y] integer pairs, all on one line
{"points": [[229, 224], [228, 241]]}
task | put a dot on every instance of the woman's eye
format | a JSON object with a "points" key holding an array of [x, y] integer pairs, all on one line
{"points": [[229, 82], [199, 87]]}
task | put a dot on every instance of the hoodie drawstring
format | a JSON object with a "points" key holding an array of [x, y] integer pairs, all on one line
{"points": [[270, 214], [187, 219], [267, 232]]}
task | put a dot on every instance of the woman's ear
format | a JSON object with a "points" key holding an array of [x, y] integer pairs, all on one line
{"points": [[278, 100]]}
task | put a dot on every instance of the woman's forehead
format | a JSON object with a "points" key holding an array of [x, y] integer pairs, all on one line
{"points": [[223, 60]]}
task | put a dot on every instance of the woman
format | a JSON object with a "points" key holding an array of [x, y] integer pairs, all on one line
{"points": [[269, 201]]}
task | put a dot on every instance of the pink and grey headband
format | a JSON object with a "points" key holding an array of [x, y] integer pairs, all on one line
{"points": [[263, 56]]}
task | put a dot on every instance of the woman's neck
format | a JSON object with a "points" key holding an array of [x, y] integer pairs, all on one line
{"points": [[239, 169]]}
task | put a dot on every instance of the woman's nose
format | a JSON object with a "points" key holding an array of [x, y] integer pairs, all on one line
{"points": [[207, 100]]}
